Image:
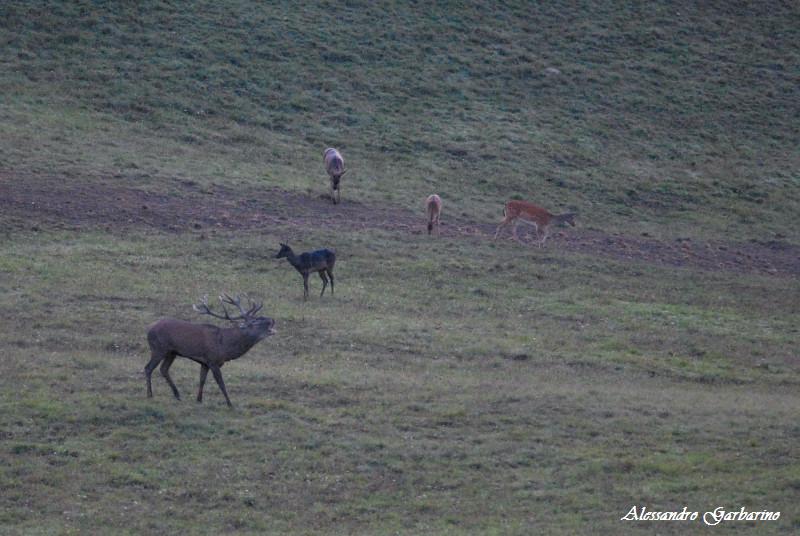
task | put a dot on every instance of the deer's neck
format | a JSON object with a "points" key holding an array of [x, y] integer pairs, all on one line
{"points": [[236, 342], [294, 260]]}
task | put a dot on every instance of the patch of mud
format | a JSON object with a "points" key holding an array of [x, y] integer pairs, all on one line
{"points": [[34, 201]]}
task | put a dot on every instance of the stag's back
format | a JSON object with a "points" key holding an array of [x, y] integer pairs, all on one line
{"points": [[185, 338]]}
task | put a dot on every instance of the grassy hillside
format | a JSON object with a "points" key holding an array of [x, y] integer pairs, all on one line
{"points": [[660, 115], [427, 396], [154, 152]]}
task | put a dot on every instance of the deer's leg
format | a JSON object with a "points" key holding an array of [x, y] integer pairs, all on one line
{"points": [[155, 359], [333, 192], [324, 281], [330, 274], [536, 232], [305, 287], [218, 376], [514, 231], [165, 372], [500, 228], [203, 374], [545, 234]]}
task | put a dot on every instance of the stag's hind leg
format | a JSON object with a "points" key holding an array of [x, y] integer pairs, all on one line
{"points": [[218, 376], [203, 374], [324, 282], [165, 372], [155, 359], [329, 269]]}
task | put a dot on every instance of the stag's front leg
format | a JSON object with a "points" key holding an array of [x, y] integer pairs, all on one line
{"points": [[203, 374], [305, 286], [218, 376]]}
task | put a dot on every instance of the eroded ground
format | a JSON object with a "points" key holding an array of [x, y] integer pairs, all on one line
{"points": [[34, 201]]}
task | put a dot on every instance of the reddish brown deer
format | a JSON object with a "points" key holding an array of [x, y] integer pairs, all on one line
{"points": [[433, 209], [206, 344], [541, 219], [334, 165]]}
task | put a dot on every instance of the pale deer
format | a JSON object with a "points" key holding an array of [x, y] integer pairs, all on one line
{"points": [[541, 219], [334, 165], [321, 261], [433, 209], [206, 344]]}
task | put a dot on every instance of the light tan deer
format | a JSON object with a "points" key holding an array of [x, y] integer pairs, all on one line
{"points": [[334, 165], [433, 209], [541, 219], [206, 344]]}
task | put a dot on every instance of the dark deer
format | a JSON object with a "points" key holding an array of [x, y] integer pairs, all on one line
{"points": [[334, 165], [206, 344], [321, 260]]}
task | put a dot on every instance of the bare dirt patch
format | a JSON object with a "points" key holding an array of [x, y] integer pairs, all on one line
{"points": [[31, 202]]}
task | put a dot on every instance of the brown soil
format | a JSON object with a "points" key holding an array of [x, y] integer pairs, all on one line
{"points": [[30, 202]]}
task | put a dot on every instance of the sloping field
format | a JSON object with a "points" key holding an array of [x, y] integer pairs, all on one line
{"points": [[155, 152]]}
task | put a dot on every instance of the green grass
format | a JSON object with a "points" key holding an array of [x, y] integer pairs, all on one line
{"points": [[452, 385], [675, 119], [540, 403]]}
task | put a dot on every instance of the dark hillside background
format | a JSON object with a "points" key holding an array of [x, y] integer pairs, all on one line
{"points": [[639, 116]]}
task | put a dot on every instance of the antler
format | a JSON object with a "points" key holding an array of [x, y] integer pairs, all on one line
{"points": [[203, 308], [254, 307]]}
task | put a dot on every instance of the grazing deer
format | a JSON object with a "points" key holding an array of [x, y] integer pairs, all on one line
{"points": [[206, 344], [334, 165], [321, 260], [433, 208], [541, 219]]}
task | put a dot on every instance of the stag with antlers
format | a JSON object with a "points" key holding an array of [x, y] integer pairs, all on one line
{"points": [[206, 344]]}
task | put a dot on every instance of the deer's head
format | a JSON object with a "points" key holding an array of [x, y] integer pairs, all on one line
{"points": [[247, 321], [284, 252], [337, 177]]}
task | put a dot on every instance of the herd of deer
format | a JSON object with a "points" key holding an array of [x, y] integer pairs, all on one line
{"points": [[212, 346]]}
